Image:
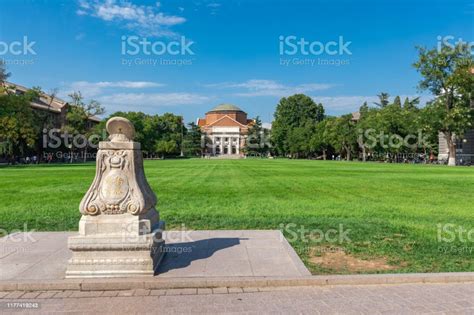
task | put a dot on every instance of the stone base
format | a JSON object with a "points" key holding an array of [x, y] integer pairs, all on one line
{"points": [[109, 255]]}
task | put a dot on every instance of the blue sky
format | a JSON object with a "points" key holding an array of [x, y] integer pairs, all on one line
{"points": [[78, 45]]}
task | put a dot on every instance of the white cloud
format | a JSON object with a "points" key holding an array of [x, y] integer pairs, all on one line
{"points": [[337, 105], [123, 95], [214, 7], [269, 88], [149, 101], [92, 89], [145, 20], [267, 125]]}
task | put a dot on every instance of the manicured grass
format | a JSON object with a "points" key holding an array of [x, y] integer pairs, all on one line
{"points": [[392, 211]]}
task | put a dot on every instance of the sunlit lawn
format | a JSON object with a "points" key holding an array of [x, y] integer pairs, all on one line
{"points": [[392, 211]]}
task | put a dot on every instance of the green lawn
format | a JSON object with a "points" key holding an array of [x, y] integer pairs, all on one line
{"points": [[392, 211]]}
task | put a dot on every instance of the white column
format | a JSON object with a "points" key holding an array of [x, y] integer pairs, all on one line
{"points": [[229, 146], [221, 144], [237, 140], [213, 145]]}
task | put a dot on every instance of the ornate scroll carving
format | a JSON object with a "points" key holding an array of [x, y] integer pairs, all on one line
{"points": [[120, 185]]}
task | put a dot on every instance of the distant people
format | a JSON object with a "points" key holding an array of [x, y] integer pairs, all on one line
{"points": [[432, 157], [35, 159], [27, 160]]}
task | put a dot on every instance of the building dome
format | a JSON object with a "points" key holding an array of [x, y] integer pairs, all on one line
{"points": [[225, 107]]}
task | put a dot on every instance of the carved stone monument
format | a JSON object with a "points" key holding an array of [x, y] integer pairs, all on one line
{"points": [[120, 234]]}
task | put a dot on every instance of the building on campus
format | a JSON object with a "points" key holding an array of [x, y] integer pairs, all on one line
{"points": [[464, 148], [55, 107], [48, 107], [226, 127]]}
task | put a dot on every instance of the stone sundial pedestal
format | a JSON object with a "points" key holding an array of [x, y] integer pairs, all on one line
{"points": [[120, 234]]}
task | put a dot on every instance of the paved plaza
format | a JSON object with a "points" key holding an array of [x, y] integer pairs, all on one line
{"points": [[381, 299], [238, 253]]}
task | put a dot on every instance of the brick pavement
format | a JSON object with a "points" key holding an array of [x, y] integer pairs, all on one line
{"points": [[343, 299]]}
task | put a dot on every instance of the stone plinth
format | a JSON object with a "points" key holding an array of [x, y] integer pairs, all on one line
{"points": [[120, 233]]}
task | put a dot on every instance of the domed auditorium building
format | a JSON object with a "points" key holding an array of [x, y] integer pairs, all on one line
{"points": [[226, 127]]}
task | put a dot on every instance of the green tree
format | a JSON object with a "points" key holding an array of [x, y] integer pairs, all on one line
{"points": [[4, 75], [257, 137], [299, 141], [410, 104], [171, 129], [366, 123], [430, 122], [78, 119], [18, 124], [150, 129], [293, 112], [397, 101], [383, 99], [320, 140], [164, 147], [446, 72], [193, 145], [343, 136]]}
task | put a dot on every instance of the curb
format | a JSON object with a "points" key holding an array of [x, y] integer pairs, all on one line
{"points": [[232, 282]]}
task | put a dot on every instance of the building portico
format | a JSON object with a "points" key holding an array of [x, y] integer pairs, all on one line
{"points": [[225, 126]]}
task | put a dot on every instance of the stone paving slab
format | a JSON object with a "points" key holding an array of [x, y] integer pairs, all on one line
{"points": [[46, 273], [240, 253], [344, 299]]}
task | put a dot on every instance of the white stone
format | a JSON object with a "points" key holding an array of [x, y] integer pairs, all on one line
{"points": [[120, 233]]}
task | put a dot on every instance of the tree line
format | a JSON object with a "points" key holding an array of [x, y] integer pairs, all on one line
{"points": [[386, 130], [29, 133]]}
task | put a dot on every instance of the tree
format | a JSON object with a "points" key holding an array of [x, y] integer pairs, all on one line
{"points": [[397, 101], [409, 104], [299, 140], [430, 122], [320, 140], [192, 141], [170, 128], [446, 72], [383, 99], [343, 135], [150, 129], [78, 119], [166, 147], [4, 75], [18, 126], [256, 143], [293, 112]]}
